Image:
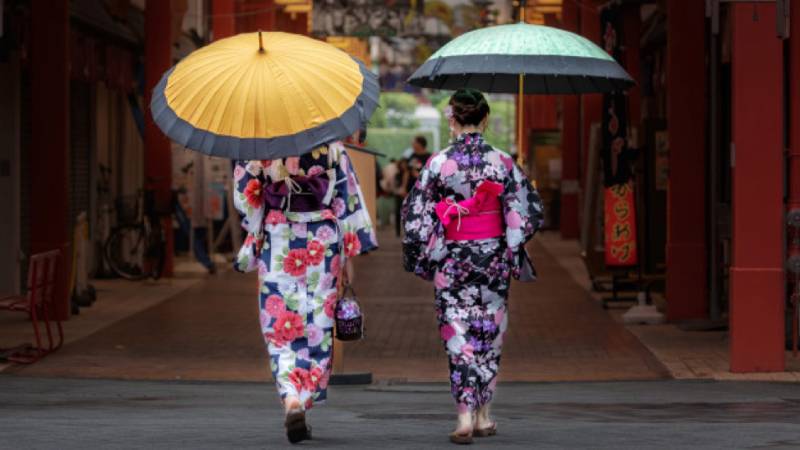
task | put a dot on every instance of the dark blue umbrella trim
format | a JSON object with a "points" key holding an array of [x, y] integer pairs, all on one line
{"points": [[543, 74], [186, 134]]}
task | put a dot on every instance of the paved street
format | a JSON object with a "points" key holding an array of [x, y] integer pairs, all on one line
{"points": [[81, 414], [209, 331]]}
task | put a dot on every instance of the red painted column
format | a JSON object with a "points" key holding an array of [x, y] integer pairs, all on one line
{"points": [[687, 285], [757, 278], [591, 105], [570, 145], [793, 202], [223, 21], [49, 151], [632, 31], [157, 149]]}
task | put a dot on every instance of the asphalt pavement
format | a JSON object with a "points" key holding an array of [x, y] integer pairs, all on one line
{"points": [[58, 413]]}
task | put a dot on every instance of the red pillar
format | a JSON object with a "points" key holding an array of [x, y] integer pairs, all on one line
{"points": [[757, 279], [49, 152], [157, 151], [794, 120], [632, 30], [570, 145], [591, 105], [687, 284], [223, 22]]}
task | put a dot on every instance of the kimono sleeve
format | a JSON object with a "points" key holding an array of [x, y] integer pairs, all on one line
{"points": [[420, 224], [351, 210], [523, 212], [248, 184]]}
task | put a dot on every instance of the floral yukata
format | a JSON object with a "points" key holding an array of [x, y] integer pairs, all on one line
{"points": [[471, 275], [302, 215]]}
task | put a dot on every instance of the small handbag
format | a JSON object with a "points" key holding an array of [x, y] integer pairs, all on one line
{"points": [[348, 315]]}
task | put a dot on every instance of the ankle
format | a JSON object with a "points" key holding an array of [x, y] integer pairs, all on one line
{"points": [[291, 403]]}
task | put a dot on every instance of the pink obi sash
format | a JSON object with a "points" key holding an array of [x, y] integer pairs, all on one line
{"points": [[478, 217]]}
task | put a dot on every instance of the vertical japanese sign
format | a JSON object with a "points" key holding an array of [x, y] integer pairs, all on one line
{"points": [[620, 225], [620, 208]]}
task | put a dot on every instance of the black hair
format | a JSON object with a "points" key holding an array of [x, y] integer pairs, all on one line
{"points": [[421, 141], [469, 107]]}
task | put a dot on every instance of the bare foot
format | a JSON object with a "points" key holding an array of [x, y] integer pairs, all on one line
{"points": [[482, 419]]}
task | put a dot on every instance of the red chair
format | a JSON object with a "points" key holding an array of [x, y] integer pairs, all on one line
{"points": [[38, 304]]}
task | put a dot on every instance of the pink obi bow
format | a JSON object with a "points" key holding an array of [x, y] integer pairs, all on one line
{"points": [[478, 217]]}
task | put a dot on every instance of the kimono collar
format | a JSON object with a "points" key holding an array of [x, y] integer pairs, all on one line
{"points": [[472, 139]]}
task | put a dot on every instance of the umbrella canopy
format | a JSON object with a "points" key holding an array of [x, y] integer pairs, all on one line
{"points": [[269, 96], [552, 61]]}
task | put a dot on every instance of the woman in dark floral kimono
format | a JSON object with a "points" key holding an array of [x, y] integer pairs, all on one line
{"points": [[466, 222]]}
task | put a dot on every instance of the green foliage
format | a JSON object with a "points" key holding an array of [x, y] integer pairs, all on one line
{"points": [[396, 111], [501, 130]]}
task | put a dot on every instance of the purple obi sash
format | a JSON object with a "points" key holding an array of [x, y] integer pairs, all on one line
{"points": [[300, 193]]}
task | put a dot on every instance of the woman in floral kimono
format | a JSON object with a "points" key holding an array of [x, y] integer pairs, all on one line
{"points": [[466, 222], [303, 216]]}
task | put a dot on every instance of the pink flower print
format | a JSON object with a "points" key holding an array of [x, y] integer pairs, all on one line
{"points": [[498, 317], [275, 217], [352, 185], [238, 173], [513, 220], [314, 335], [292, 165], [508, 162], [336, 265], [264, 318], [338, 207], [299, 230], [263, 270], [303, 354], [449, 167], [315, 170], [440, 280], [447, 332], [274, 305], [326, 234], [467, 350]]}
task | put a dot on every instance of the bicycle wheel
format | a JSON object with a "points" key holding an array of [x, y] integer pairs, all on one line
{"points": [[126, 250]]}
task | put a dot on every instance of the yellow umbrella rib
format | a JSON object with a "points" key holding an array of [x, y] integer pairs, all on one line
{"points": [[229, 116], [206, 95]]}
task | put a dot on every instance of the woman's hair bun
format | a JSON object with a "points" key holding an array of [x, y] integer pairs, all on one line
{"points": [[469, 107]]}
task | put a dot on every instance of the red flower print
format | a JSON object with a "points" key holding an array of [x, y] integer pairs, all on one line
{"points": [[330, 304], [295, 262], [288, 326], [299, 378], [275, 217], [253, 193], [336, 265], [328, 214], [316, 252], [274, 339], [274, 305], [352, 245], [314, 378]]}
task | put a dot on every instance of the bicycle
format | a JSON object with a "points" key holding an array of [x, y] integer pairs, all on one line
{"points": [[136, 249]]}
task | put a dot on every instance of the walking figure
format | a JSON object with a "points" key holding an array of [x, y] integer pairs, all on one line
{"points": [[303, 215], [466, 222]]}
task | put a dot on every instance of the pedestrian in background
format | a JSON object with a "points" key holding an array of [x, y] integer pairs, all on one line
{"points": [[305, 217], [466, 222]]}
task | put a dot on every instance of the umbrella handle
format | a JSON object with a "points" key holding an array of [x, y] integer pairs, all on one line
{"points": [[260, 43]]}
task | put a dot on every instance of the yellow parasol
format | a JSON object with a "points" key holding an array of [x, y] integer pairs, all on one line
{"points": [[264, 96]]}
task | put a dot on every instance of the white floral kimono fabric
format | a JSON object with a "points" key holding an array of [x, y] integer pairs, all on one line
{"points": [[298, 256]]}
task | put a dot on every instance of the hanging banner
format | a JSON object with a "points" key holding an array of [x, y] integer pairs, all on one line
{"points": [[620, 225], [619, 206]]}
